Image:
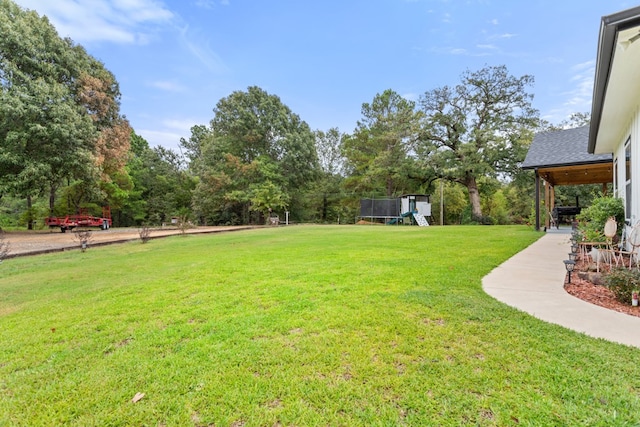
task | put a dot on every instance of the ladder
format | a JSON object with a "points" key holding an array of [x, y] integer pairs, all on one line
{"points": [[420, 219]]}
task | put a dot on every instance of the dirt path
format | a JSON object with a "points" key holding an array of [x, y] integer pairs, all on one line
{"points": [[39, 242]]}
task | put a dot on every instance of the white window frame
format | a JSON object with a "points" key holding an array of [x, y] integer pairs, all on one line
{"points": [[627, 179]]}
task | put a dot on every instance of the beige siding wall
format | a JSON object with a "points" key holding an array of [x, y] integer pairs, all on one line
{"points": [[631, 131]]}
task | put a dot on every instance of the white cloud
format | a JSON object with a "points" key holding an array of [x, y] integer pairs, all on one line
{"points": [[588, 66], [487, 46], [124, 21], [579, 95], [167, 86], [582, 82], [201, 49], [119, 21], [504, 36], [210, 4], [494, 22], [167, 132]]}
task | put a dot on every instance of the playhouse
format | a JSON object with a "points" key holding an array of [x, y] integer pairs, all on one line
{"points": [[408, 208]]}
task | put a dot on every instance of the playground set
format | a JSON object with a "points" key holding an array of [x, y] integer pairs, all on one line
{"points": [[414, 208], [82, 219]]}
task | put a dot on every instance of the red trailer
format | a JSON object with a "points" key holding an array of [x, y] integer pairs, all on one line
{"points": [[70, 222]]}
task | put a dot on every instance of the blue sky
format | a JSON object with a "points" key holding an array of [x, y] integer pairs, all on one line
{"points": [[175, 59]]}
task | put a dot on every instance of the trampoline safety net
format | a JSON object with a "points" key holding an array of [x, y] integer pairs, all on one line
{"points": [[379, 208]]}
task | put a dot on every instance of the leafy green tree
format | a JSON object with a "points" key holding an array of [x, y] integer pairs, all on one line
{"points": [[266, 197], [378, 153], [256, 152], [167, 185], [59, 112], [520, 200], [495, 206], [221, 194], [161, 185], [330, 157], [575, 120], [479, 128], [46, 136], [134, 207], [192, 147], [326, 194], [455, 201], [254, 124]]}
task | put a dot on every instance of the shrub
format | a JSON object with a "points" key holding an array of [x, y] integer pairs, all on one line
{"points": [[532, 214], [84, 238], [593, 218], [145, 233], [622, 283]]}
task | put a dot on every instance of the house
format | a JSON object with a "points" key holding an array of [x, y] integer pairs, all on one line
{"points": [[615, 111], [612, 139]]}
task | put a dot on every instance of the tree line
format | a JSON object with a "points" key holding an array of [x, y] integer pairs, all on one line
{"points": [[65, 146], [60, 126]]}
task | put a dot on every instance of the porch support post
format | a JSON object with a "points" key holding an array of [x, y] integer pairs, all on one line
{"points": [[537, 201], [547, 204]]}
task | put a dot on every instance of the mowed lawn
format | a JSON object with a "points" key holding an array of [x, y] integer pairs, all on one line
{"points": [[304, 325]]}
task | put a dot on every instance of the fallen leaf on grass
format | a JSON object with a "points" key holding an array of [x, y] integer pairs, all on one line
{"points": [[137, 397]]}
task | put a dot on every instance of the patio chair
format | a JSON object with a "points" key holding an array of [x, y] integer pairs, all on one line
{"points": [[608, 253], [620, 248], [629, 247]]}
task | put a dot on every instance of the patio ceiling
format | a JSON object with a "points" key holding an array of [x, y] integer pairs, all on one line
{"points": [[600, 173]]}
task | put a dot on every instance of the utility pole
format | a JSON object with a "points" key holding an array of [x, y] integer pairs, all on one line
{"points": [[441, 201]]}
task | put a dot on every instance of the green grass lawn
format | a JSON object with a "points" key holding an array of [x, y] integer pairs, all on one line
{"points": [[307, 325]]}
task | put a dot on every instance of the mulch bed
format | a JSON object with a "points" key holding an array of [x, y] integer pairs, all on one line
{"points": [[597, 294]]}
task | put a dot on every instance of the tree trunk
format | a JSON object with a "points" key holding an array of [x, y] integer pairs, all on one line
{"points": [[474, 198], [325, 203], [246, 213], [389, 187], [52, 199], [29, 213]]}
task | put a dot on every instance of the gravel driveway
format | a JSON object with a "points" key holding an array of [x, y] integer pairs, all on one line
{"points": [[39, 242]]}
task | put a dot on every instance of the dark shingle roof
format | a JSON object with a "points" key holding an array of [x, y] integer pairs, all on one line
{"points": [[562, 148]]}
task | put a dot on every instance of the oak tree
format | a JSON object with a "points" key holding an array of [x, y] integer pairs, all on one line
{"points": [[479, 128]]}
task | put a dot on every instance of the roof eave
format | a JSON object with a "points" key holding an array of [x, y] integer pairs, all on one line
{"points": [[559, 165], [609, 28]]}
